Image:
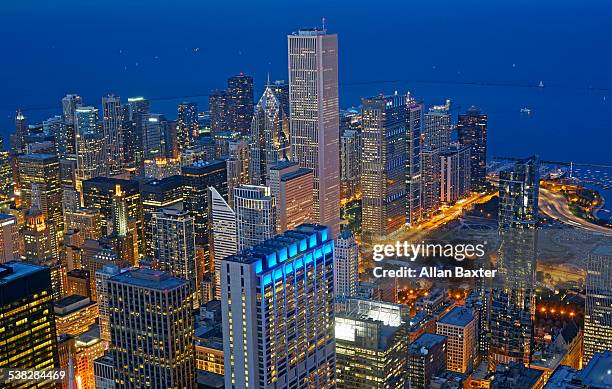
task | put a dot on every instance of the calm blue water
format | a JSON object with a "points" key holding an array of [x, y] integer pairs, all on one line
{"points": [[146, 48]]}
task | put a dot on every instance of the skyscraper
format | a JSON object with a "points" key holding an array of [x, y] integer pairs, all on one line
{"points": [[155, 129], [21, 131], [6, 173], [40, 185], [430, 174], [314, 123], [291, 187], [90, 145], [66, 139], [383, 165], [278, 303], [414, 128], [112, 118], [102, 296], [224, 240], [598, 312], [187, 127], [472, 131], [174, 244], [437, 127], [269, 137], [9, 238], [351, 144], [218, 106], [162, 356], [346, 271], [281, 90], [240, 95], [371, 345], [134, 117], [100, 193], [237, 166], [255, 215], [513, 297], [197, 178], [28, 337], [454, 173]]}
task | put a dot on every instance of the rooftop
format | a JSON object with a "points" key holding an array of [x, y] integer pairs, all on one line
{"points": [[283, 165], [71, 304], [13, 270], [598, 373], [148, 278], [603, 249], [424, 343], [283, 247], [298, 173], [458, 316]]}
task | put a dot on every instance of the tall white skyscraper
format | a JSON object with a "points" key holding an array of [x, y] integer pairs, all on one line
{"points": [[313, 98], [277, 302], [346, 270], [224, 240], [255, 215]]}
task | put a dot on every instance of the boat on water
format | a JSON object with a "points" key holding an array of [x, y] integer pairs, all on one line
{"points": [[526, 110], [541, 84]]}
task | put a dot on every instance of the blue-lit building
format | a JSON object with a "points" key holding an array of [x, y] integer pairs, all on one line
{"points": [[277, 301]]}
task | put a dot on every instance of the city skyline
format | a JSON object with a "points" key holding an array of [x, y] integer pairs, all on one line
{"points": [[275, 240]]}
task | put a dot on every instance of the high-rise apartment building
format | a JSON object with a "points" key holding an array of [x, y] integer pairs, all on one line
{"points": [[314, 122], [28, 338], [112, 118], [346, 271], [459, 327], [437, 127], [102, 296], [174, 244], [513, 296], [255, 215], [383, 165], [90, 145], [431, 179], [240, 98], [414, 128], [134, 116], [472, 131], [598, 310], [218, 106], [351, 144], [269, 137], [454, 173], [162, 356], [187, 126], [277, 302], [291, 187]]}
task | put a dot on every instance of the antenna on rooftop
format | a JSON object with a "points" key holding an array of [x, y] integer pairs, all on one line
{"points": [[323, 23]]}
